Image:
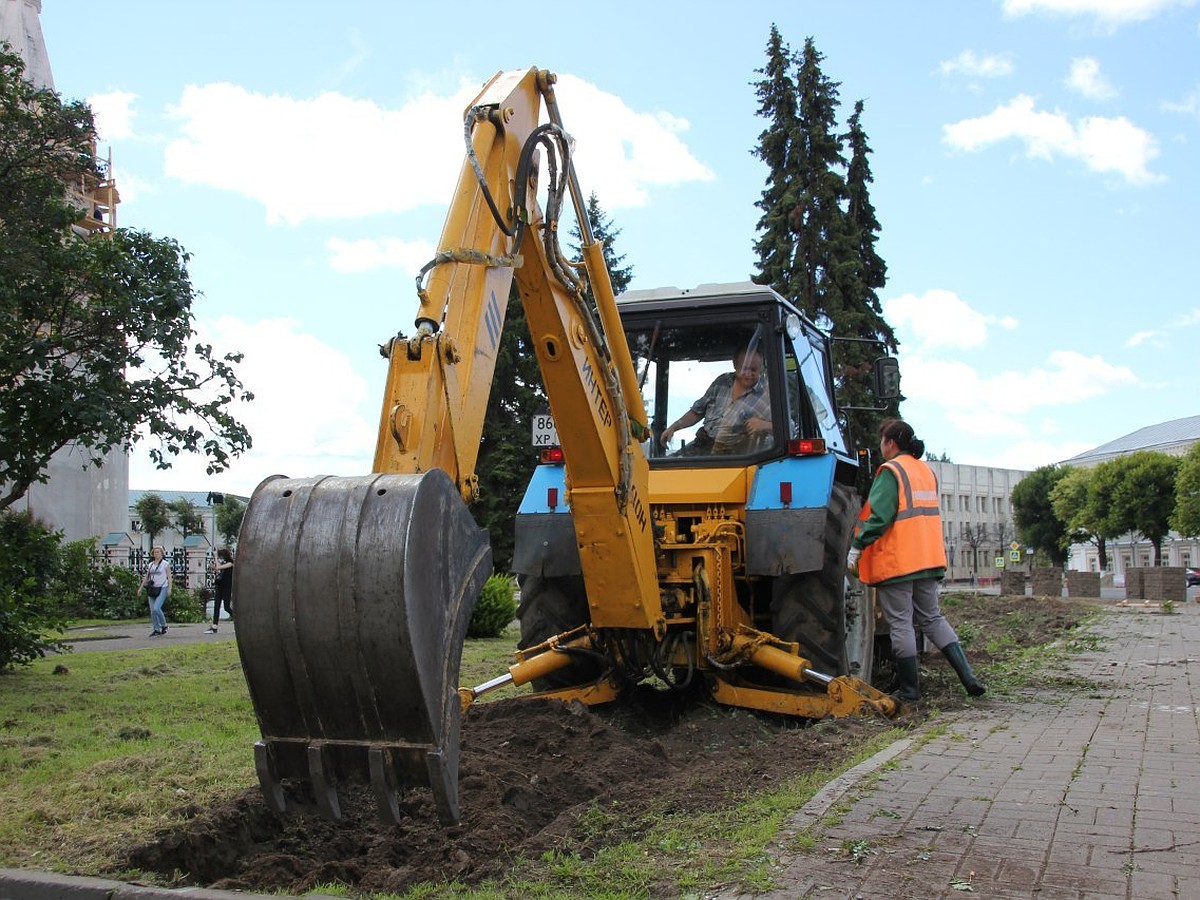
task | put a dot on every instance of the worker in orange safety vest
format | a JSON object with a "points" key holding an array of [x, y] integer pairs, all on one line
{"points": [[898, 548]]}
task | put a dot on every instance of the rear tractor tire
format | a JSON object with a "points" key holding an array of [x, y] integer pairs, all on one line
{"points": [[830, 615], [551, 606]]}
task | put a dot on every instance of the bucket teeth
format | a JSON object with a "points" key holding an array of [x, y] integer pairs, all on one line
{"points": [[268, 781], [323, 790], [383, 785]]}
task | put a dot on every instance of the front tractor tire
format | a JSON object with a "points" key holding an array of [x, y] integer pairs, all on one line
{"points": [[829, 615]]}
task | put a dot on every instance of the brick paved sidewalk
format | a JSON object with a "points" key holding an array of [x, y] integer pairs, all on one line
{"points": [[1091, 793]]}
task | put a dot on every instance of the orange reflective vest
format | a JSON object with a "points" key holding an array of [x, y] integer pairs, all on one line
{"points": [[913, 542]]}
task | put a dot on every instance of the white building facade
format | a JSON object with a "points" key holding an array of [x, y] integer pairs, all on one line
{"points": [[977, 521]]}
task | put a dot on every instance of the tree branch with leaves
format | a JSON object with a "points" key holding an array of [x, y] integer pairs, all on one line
{"points": [[98, 344]]}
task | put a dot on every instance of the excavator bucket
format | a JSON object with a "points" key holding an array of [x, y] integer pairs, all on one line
{"points": [[353, 600]]}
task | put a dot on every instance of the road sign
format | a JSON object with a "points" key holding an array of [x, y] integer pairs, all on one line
{"points": [[999, 562], [1014, 546], [1014, 555]]}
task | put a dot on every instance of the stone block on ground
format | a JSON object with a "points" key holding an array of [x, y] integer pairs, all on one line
{"points": [[1134, 589], [1047, 582], [1012, 584], [1083, 584], [1166, 583]]}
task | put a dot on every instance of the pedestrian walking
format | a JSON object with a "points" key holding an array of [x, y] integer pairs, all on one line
{"points": [[898, 548], [157, 585], [222, 588]]}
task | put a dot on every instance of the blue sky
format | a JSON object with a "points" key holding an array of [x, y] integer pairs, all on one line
{"points": [[1035, 163]]}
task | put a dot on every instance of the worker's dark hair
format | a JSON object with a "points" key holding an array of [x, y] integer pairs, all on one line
{"points": [[225, 555], [902, 433]]}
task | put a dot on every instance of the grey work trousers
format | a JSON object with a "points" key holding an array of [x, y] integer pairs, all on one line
{"points": [[906, 602]]}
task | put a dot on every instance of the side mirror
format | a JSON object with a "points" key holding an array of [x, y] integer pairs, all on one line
{"points": [[886, 375]]}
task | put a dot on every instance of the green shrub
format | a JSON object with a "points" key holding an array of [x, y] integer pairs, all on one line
{"points": [[183, 605], [496, 608], [114, 594], [29, 567], [89, 587]]}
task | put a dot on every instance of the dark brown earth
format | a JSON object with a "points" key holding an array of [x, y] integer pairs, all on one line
{"points": [[531, 771]]}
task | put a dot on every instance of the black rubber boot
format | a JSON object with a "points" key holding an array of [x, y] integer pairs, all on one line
{"points": [[958, 660], [907, 680]]}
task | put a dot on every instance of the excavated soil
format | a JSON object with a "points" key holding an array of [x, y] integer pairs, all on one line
{"points": [[530, 771]]}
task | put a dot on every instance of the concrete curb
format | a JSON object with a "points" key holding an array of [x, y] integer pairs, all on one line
{"points": [[823, 800], [27, 884]]}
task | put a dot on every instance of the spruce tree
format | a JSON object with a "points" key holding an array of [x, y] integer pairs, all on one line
{"points": [[776, 245], [817, 233], [816, 217], [603, 231], [862, 317]]}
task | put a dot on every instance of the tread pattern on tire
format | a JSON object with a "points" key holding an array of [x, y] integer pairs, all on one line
{"points": [[550, 606], [809, 608]]}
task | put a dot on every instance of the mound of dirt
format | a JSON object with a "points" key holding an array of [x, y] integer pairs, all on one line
{"points": [[530, 770]]}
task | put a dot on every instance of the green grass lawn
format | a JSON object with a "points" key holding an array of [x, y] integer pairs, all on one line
{"points": [[100, 756], [99, 751]]}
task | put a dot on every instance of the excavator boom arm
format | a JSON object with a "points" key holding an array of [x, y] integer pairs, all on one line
{"points": [[440, 379], [354, 594]]}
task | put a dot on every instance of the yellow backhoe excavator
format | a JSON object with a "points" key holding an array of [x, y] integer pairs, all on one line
{"points": [[721, 560]]}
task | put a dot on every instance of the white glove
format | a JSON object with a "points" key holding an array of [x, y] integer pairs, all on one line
{"points": [[852, 560]]}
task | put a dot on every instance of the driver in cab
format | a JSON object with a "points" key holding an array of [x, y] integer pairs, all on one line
{"points": [[735, 410]]}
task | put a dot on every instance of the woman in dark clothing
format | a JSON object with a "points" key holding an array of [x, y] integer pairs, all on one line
{"points": [[222, 587]]}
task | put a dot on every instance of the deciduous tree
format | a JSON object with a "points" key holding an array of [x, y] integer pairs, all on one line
{"points": [[1186, 517], [188, 520], [97, 345], [1144, 498], [154, 515], [1081, 502], [1033, 514], [229, 518]]}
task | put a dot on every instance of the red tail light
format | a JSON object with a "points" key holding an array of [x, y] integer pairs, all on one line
{"points": [[806, 446], [552, 455]]}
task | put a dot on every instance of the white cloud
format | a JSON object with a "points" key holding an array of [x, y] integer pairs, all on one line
{"points": [[621, 152], [362, 255], [986, 65], [335, 157], [1192, 317], [309, 415], [1085, 78], [984, 404], [1138, 338], [330, 157], [940, 318], [1108, 12], [1104, 145], [1188, 106], [1067, 377], [114, 114]]}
